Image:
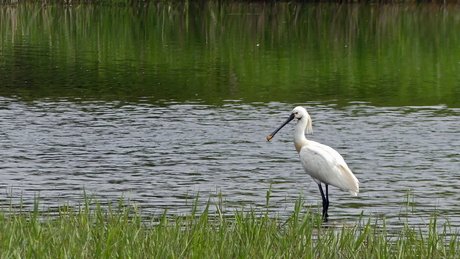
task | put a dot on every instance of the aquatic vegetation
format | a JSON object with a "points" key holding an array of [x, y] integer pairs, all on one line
{"points": [[92, 231]]}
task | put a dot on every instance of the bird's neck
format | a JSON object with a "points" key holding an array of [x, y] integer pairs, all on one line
{"points": [[299, 134]]}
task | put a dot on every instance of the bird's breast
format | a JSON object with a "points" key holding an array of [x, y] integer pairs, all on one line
{"points": [[299, 145]]}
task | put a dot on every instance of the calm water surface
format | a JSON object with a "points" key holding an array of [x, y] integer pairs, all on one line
{"points": [[163, 156]]}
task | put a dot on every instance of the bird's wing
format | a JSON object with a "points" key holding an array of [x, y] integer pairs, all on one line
{"points": [[326, 165]]}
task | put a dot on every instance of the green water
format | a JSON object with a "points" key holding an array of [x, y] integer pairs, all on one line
{"points": [[386, 55]]}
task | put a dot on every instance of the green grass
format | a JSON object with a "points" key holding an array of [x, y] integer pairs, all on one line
{"points": [[93, 231]]}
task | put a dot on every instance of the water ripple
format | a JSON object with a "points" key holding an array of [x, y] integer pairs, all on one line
{"points": [[163, 156]]}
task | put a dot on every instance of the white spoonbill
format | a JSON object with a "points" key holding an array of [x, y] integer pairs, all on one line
{"points": [[321, 162]]}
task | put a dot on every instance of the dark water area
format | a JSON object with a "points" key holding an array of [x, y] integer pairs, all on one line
{"points": [[174, 100], [387, 55]]}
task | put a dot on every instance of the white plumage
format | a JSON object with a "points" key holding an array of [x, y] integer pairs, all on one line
{"points": [[327, 166], [321, 162]]}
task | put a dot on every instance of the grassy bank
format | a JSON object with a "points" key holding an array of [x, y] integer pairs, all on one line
{"points": [[90, 231]]}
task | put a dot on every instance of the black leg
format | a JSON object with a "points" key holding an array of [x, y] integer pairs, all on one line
{"points": [[325, 201]]}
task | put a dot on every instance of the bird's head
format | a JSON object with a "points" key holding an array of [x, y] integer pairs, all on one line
{"points": [[299, 113]]}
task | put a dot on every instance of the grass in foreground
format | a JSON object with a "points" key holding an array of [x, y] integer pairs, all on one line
{"points": [[93, 232]]}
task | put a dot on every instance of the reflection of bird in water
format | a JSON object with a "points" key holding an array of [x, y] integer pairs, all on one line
{"points": [[321, 162]]}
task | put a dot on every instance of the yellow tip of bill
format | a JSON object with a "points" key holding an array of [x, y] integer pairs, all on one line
{"points": [[269, 137]]}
